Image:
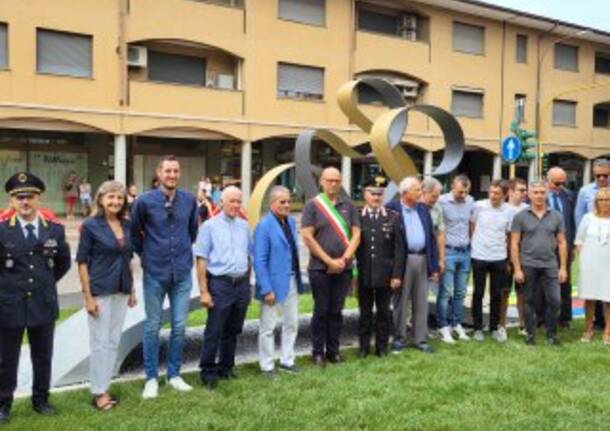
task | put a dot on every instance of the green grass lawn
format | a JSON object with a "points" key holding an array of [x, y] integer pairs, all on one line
{"points": [[468, 386]]}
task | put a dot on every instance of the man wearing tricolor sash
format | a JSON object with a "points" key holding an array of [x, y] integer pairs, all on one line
{"points": [[331, 232]]}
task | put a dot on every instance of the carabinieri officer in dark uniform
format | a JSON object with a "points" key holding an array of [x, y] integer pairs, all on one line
{"points": [[381, 263], [34, 255]]}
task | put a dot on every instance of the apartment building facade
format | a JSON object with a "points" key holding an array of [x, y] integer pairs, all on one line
{"points": [[103, 87]]}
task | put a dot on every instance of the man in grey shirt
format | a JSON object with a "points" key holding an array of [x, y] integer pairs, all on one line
{"points": [[536, 233]]}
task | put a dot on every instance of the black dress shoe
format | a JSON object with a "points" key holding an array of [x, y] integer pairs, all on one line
{"points": [[229, 375], [335, 359], [363, 354], [381, 353], [530, 341], [5, 415], [318, 360], [44, 409], [209, 383], [424, 348], [553, 341]]}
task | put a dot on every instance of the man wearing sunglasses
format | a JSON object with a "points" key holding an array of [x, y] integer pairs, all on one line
{"points": [[561, 200], [34, 256], [586, 196]]}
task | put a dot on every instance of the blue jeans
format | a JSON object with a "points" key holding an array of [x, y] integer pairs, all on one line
{"points": [[154, 296], [454, 284]]}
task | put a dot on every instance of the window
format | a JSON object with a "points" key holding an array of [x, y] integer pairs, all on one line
{"points": [[411, 89], [301, 82], [602, 63], [232, 3], [468, 38], [521, 48], [62, 53], [564, 113], [520, 107], [306, 11], [467, 103], [566, 57], [396, 23], [177, 69], [3, 46], [601, 116]]}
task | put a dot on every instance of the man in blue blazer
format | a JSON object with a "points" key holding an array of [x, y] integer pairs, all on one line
{"points": [[421, 264], [278, 281]]}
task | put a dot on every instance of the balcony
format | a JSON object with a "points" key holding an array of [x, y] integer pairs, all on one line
{"points": [[178, 99], [210, 22], [379, 52]]}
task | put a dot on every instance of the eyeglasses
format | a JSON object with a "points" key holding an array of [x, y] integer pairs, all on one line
{"points": [[284, 201], [601, 175], [24, 197], [603, 200], [559, 183]]}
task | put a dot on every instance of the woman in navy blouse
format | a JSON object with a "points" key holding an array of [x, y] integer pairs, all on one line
{"points": [[104, 256]]}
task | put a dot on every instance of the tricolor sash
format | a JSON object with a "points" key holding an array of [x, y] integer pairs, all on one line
{"points": [[336, 221]]}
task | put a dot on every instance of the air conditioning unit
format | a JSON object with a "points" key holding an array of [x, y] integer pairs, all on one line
{"points": [[226, 82], [136, 56], [408, 27]]}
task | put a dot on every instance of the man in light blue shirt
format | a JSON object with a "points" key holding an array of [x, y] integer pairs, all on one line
{"points": [[458, 207], [223, 249], [586, 195]]}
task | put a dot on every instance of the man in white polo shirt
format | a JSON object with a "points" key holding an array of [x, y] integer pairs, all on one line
{"points": [[491, 223]]}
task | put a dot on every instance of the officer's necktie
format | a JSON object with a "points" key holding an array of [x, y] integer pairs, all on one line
{"points": [[30, 236]]}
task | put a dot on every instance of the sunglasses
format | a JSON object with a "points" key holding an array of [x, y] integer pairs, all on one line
{"points": [[24, 197], [603, 200], [559, 184], [601, 175]]}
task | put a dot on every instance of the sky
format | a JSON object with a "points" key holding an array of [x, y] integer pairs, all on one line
{"points": [[589, 13]]}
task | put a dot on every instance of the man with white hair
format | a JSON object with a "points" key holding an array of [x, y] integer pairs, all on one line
{"points": [[223, 248], [431, 192], [278, 281], [331, 232], [421, 264]]}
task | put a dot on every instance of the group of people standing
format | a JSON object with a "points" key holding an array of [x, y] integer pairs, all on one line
{"points": [[397, 254]]}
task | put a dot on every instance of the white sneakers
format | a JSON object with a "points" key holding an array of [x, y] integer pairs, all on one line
{"points": [[461, 334], [478, 335], [445, 334], [180, 385], [151, 387], [502, 335]]}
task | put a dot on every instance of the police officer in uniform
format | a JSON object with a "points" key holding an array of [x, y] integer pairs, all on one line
{"points": [[34, 255], [381, 263]]}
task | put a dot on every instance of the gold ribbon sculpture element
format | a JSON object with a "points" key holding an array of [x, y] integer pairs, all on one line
{"points": [[386, 134]]}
